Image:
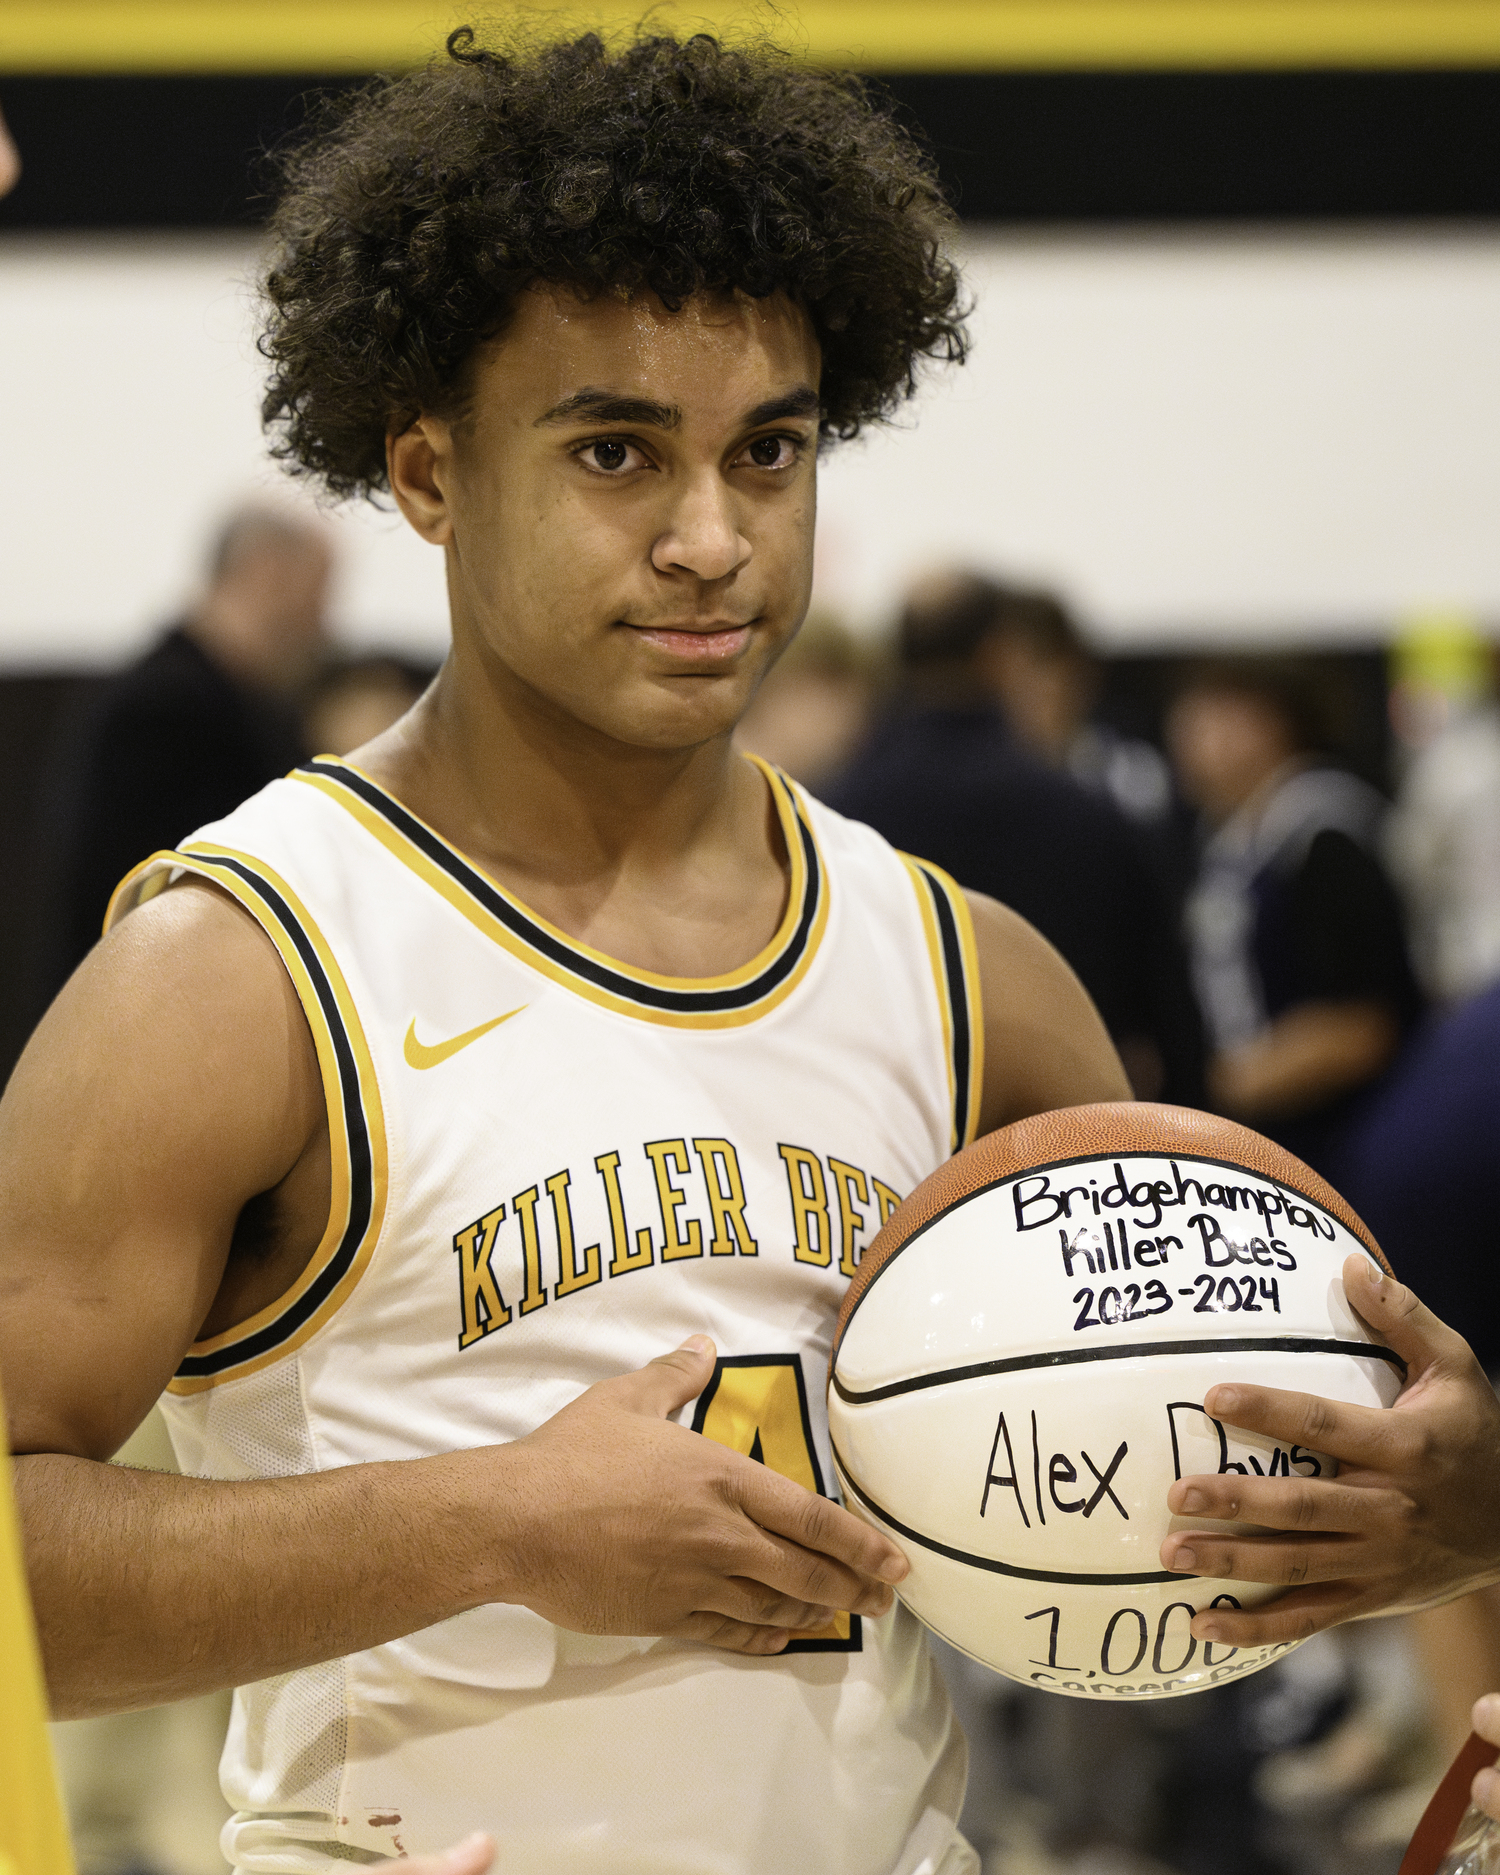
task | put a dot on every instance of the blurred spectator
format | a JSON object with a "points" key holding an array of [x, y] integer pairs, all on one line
{"points": [[10, 160], [358, 699], [940, 776], [813, 710], [1047, 683], [206, 718], [1298, 950], [1443, 842], [1419, 1164]]}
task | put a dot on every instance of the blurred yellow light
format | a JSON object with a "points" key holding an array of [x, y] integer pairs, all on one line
{"points": [[891, 35], [1443, 652]]}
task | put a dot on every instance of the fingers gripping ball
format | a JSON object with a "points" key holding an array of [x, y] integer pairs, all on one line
{"points": [[1019, 1370]]}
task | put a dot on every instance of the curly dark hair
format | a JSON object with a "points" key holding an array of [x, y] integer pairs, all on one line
{"points": [[421, 206]]}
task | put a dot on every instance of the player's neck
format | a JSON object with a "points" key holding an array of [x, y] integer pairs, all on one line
{"points": [[595, 834]]}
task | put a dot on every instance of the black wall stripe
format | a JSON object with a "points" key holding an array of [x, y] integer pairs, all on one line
{"points": [[651, 996], [361, 1169], [185, 152], [989, 1563], [1123, 1351], [958, 1001]]}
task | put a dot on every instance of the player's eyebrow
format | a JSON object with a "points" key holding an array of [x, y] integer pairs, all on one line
{"points": [[596, 406], [612, 407], [802, 402]]}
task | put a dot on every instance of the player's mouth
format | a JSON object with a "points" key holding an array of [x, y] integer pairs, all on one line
{"points": [[711, 640]]}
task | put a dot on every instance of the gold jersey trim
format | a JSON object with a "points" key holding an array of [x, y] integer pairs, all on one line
{"points": [[356, 1123], [948, 926], [728, 1001]]}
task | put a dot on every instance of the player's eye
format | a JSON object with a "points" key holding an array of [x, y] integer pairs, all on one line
{"points": [[610, 455], [774, 452]]}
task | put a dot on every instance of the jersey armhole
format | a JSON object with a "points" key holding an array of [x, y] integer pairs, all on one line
{"points": [[948, 926], [351, 1093]]}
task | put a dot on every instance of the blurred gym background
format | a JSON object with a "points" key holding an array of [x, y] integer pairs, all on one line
{"points": [[1220, 483]]}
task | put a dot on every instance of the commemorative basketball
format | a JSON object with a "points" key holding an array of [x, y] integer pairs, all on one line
{"points": [[1019, 1371]]}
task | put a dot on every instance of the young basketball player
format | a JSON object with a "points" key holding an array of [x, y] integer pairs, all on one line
{"points": [[457, 1131], [461, 1130]]}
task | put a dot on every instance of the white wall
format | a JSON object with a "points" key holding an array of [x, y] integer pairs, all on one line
{"points": [[1197, 435]]}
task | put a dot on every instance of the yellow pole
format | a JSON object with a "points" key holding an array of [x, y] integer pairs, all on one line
{"points": [[33, 1836]]}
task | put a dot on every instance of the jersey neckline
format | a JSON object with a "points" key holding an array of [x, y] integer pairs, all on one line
{"points": [[730, 1000]]}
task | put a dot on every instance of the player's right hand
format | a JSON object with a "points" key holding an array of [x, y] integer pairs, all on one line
{"points": [[619, 1521], [1485, 1790]]}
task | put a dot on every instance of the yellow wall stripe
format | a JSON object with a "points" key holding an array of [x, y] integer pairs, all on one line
{"points": [[329, 36]]}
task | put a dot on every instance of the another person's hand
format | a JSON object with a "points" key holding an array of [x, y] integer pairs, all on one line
{"points": [[1413, 1517], [626, 1523], [472, 1856], [1485, 1790]]}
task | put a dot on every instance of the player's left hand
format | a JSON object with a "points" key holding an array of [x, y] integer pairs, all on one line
{"points": [[1413, 1517]]}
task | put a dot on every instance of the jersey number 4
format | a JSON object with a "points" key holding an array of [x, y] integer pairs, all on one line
{"points": [[757, 1404]]}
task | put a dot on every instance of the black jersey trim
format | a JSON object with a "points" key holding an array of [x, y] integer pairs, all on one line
{"points": [[958, 1002], [612, 980], [300, 1311]]}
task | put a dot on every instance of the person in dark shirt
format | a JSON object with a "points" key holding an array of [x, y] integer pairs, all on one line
{"points": [[1299, 954], [206, 718], [941, 777], [1419, 1163]]}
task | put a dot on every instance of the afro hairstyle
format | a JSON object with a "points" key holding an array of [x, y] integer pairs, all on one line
{"points": [[419, 207]]}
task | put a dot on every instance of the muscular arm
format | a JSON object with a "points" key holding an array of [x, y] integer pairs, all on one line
{"points": [[1044, 1044], [174, 1079], [1311, 1054]]}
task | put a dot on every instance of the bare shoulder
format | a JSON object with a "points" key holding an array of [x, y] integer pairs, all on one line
{"points": [[185, 998], [173, 1079], [1044, 1044]]}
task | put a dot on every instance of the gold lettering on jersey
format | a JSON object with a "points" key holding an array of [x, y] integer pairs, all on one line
{"points": [[569, 1275], [482, 1305], [535, 1296], [885, 1198], [812, 1238], [849, 1182], [726, 1198], [670, 1197], [831, 1201], [624, 1259]]}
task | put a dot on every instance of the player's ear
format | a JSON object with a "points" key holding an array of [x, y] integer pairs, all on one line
{"points": [[414, 460]]}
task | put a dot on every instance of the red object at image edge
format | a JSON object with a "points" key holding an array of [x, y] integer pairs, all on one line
{"points": [[1440, 1820]]}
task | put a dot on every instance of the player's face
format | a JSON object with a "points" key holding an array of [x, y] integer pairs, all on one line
{"points": [[628, 506]]}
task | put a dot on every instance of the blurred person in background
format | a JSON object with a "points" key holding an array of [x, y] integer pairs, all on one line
{"points": [[209, 715], [941, 776], [206, 718], [1298, 948], [357, 699], [1047, 682], [1443, 841], [814, 709]]}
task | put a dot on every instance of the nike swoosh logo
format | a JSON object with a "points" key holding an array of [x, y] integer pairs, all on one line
{"points": [[419, 1055]]}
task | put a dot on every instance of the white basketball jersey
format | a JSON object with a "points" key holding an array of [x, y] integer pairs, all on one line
{"points": [[548, 1168]]}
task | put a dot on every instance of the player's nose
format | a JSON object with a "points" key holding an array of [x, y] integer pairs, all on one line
{"points": [[702, 536]]}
